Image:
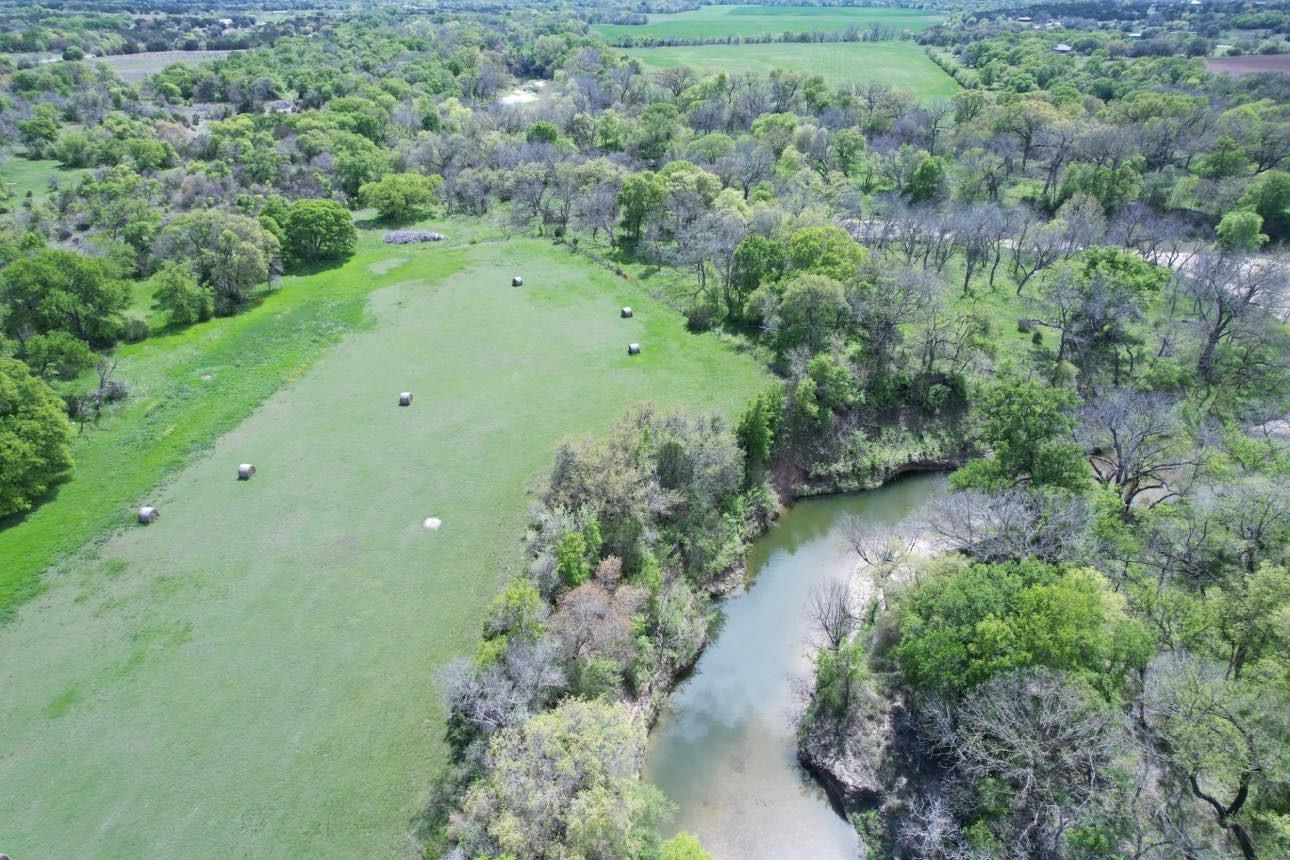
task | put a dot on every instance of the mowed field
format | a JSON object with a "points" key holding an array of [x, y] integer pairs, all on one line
{"points": [[711, 21], [253, 675], [135, 67], [23, 175], [900, 64]]}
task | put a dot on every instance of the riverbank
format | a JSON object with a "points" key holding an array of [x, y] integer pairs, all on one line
{"points": [[725, 749]]}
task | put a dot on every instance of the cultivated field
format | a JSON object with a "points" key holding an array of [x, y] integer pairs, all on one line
{"points": [[135, 67], [900, 64], [1236, 66], [711, 21], [253, 674]]}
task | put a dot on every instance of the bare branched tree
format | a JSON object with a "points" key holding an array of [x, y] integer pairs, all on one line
{"points": [[832, 612], [1010, 524], [1134, 443]]}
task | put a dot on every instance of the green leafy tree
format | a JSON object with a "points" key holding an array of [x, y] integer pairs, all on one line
{"points": [[1269, 195], [564, 784], [571, 558], [757, 428], [683, 846], [1241, 230], [402, 196], [57, 355], [812, 309], [35, 437], [39, 131], [317, 230], [757, 260], [56, 290], [641, 194], [178, 293], [659, 124], [966, 624], [829, 251], [542, 131], [926, 180], [1027, 427], [228, 252]]}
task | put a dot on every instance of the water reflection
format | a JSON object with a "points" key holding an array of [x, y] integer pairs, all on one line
{"points": [[723, 749]]}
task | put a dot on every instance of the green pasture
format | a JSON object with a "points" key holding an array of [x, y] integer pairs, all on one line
{"points": [[22, 175], [714, 21], [901, 64], [253, 675], [135, 67]]}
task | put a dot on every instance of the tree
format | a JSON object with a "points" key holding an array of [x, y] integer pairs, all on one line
{"points": [[1134, 445], [1226, 738], [35, 438], [40, 130], [812, 308], [178, 293], [926, 180], [1044, 751], [757, 428], [640, 196], [542, 131], [1269, 196], [564, 783], [317, 230], [829, 251], [965, 624], [402, 196], [683, 846], [1240, 231], [56, 290], [1026, 426], [57, 355], [229, 253], [757, 260]]}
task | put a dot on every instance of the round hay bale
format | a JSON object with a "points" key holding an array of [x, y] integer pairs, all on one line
{"points": [[405, 399], [626, 313], [245, 472], [633, 349], [148, 514], [517, 281]]}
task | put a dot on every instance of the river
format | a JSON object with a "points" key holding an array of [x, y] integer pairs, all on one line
{"points": [[724, 748]]}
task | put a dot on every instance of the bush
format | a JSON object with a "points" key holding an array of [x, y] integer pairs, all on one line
{"points": [[135, 330]]}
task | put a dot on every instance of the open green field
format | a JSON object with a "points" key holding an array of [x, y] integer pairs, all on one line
{"points": [[135, 67], [710, 21], [21, 175], [253, 674], [900, 64]]}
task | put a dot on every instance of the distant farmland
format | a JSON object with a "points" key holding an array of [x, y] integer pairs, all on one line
{"points": [[135, 67], [901, 64], [1237, 66], [710, 21]]}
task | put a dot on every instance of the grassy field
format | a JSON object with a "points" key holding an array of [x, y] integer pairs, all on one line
{"points": [[900, 64], [135, 67], [21, 175], [253, 674], [754, 20]]}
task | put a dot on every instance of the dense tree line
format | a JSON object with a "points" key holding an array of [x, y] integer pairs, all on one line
{"points": [[1065, 282]]}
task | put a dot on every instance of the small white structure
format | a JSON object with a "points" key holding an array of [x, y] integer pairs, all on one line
{"points": [[1062, 48], [517, 281], [148, 515], [245, 472], [626, 313], [633, 349], [405, 399]]}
